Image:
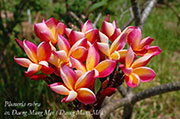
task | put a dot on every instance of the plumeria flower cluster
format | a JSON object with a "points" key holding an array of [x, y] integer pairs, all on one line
{"points": [[78, 58]]}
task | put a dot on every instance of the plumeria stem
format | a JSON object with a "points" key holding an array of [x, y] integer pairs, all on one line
{"points": [[122, 90]]}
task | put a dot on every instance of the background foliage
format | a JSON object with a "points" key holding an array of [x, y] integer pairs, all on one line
{"points": [[162, 25]]}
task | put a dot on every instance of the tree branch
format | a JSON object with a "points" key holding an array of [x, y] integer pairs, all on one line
{"points": [[147, 11], [106, 110], [128, 110], [136, 11], [138, 17], [173, 86], [122, 90]]}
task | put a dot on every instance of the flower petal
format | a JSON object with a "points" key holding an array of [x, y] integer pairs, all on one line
{"points": [[87, 26], [142, 61], [103, 38], [114, 24], [118, 43], [86, 96], [129, 29], [60, 28], [154, 50], [104, 48], [68, 31], [45, 67], [115, 55], [79, 73], [63, 44], [32, 69], [54, 60], [51, 24], [92, 58], [85, 80], [127, 71], [44, 63], [107, 28], [74, 36], [52, 46], [68, 76], [91, 35], [61, 55], [145, 73], [43, 51], [141, 51], [38, 77], [129, 57], [79, 53], [39, 27], [117, 32], [81, 42], [59, 88], [133, 80], [72, 95], [31, 50], [122, 54], [107, 18], [146, 42], [46, 35], [20, 43], [23, 61], [134, 38], [47, 70], [77, 64], [105, 67]]}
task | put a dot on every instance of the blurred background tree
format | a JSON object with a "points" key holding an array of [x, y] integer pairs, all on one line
{"points": [[17, 18]]}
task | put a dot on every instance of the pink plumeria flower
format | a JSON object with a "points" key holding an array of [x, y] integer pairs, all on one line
{"points": [[110, 29], [102, 69], [73, 36], [140, 47], [78, 51], [136, 72], [66, 53], [38, 57], [115, 51], [87, 32], [75, 87], [48, 30]]}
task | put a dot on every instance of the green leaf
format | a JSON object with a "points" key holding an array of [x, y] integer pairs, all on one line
{"points": [[96, 6], [97, 85]]}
